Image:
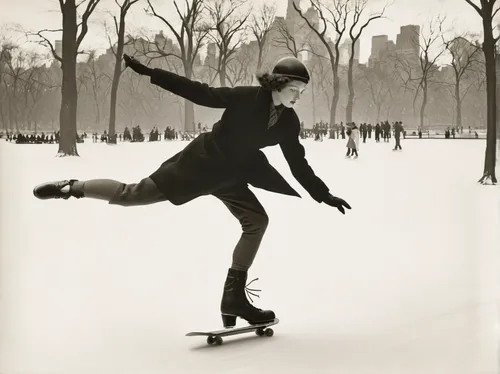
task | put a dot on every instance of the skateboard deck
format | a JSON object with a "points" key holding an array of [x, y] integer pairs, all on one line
{"points": [[215, 337]]}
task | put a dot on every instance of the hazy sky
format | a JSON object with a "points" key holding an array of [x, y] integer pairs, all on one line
{"points": [[39, 14]]}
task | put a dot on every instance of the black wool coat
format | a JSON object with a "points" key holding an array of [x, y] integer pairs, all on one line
{"points": [[230, 154]]}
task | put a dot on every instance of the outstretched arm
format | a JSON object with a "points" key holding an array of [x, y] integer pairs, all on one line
{"points": [[294, 153], [196, 92]]}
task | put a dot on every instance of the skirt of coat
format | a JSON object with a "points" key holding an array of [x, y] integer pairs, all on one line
{"points": [[202, 169], [351, 144]]}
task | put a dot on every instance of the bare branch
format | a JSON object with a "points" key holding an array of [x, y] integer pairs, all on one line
{"points": [[92, 4], [359, 7], [151, 10], [478, 10], [495, 13], [225, 26], [46, 42]]}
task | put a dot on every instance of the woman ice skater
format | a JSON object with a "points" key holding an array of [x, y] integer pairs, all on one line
{"points": [[222, 163], [353, 141]]}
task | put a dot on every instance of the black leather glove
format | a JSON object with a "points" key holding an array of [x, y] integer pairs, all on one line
{"points": [[337, 202], [136, 66]]}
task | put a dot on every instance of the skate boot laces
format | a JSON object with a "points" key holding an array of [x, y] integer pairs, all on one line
{"points": [[251, 291]]}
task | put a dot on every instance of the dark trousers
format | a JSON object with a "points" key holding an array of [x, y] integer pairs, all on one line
{"points": [[353, 150], [398, 142], [241, 202]]}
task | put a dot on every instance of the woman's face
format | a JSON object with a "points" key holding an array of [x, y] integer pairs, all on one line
{"points": [[290, 94]]}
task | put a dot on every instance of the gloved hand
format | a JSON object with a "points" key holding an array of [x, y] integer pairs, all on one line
{"points": [[136, 66], [336, 202]]}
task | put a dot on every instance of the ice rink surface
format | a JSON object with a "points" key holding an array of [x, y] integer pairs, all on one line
{"points": [[405, 283]]}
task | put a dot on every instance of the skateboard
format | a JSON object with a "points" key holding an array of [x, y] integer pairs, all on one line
{"points": [[215, 337]]}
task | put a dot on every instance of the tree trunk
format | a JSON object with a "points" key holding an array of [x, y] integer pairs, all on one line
{"points": [[97, 108], [116, 79], [188, 105], [259, 57], [489, 55], [69, 95], [350, 85], [424, 104], [458, 103], [336, 88], [222, 74], [335, 100], [313, 101], [497, 59]]}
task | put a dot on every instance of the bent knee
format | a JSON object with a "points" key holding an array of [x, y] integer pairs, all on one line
{"points": [[255, 223]]}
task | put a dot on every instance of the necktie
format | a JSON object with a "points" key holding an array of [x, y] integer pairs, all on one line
{"points": [[273, 117]]}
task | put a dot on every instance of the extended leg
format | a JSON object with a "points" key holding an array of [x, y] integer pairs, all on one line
{"points": [[143, 193]]}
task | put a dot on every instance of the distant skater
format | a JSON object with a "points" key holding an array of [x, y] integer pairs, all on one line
{"points": [[398, 130], [222, 163], [352, 141]]}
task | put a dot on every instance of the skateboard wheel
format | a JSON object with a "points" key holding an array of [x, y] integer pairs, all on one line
{"points": [[210, 340], [260, 332], [218, 340], [269, 332]]}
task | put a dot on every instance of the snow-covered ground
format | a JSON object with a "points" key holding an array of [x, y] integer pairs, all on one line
{"points": [[406, 282]]}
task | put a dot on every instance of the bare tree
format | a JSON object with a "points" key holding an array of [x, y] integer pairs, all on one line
{"points": [[324, 79], [118, 69], [19, 85], [13, 61], [418, 75], [355, 31], [487, 10], [190, 39], [227, 31], [316, 69], [465, 59], [260, 27], [95, 79], [286, 40], [240, 68], [209, 70], [339, 13], [71, 41], [380, 83], [32, 88], [3, 90]]}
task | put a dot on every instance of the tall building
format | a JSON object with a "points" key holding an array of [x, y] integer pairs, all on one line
{"points": [[381, 47], [210, 59], [305, 38], [276, 44], [379, 44], [408, 40], [292, 17], [345, 51]]}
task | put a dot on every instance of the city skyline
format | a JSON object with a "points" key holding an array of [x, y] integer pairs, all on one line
{"points": [[35, 15]]}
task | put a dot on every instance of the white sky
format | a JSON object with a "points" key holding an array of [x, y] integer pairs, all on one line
{"points": [[39, 14]]}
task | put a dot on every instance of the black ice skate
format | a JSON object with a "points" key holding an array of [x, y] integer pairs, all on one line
{"points": [[54, 190], [235, 303]]}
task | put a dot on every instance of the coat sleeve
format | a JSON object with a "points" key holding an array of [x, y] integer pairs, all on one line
{"points": [[294, 153], [197, 92]]}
